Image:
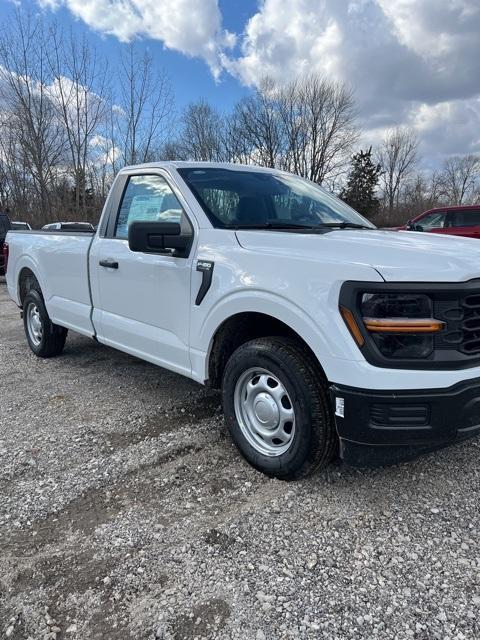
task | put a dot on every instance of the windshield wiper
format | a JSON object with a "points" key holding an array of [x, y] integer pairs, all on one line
{"points": [[343, 225], [293, 225], [269, 225]]}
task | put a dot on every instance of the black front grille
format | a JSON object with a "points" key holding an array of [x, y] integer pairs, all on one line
{"points": [[461, 315], [471, 324]]}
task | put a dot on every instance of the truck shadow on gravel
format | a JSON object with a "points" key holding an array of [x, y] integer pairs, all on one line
{"points": [[205, 406]]}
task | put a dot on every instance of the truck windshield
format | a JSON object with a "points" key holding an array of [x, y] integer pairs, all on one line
{"points": [[239, 199]]}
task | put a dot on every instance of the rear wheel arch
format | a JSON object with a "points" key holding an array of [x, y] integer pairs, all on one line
{"points": [[27, 280]]}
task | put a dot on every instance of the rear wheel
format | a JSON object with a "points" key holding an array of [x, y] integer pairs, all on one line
{"points": [[45, 338], [277, 408]]}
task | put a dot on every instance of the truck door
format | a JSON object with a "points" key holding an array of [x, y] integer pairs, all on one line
{"points": [[142, 301]]}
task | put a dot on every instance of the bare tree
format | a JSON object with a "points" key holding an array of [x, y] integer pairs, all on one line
{"points": [[202, 133], [79, 91], [171, 150], [17, 191], [236, 146], [460, 176], [62, 132], [421, 192], [398, 156], [32, 141], [307, 126], [256, 122], [144, 108], [319, 120]]}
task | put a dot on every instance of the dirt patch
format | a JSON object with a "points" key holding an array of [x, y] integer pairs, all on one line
{"points": [[221, 485], [203, 622], [162, 423], [94, 508], [74, 573], [104, 625], [214, 537]]}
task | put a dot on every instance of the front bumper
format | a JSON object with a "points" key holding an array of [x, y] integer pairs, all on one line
{"points": [[385, 427]]}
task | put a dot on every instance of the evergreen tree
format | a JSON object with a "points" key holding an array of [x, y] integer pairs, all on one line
{"points": [[359, 192]]}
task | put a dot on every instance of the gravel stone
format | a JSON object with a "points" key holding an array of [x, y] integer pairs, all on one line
{"points": [[127, 514]]}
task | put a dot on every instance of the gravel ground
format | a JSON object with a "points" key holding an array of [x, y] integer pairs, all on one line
{"points": [[125, 512]]}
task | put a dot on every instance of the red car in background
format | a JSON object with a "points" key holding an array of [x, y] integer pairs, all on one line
{"points": [[454, 221]]}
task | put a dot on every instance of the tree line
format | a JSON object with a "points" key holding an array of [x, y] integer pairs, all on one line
{"points": [[69, 120]]}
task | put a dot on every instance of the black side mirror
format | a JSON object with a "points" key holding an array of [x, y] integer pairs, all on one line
{"points": [[411, 226], [160, 237]]}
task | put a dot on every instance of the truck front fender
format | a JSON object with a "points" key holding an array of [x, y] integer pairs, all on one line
{"points": [[325, 345]]}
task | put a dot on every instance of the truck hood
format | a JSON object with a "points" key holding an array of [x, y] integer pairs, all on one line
{"points": [[398, 256]]}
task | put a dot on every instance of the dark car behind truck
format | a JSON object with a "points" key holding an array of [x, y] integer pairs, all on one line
{"points": [[5, 226]]}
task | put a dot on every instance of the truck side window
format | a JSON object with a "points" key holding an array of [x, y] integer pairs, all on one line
{"points": [[147, 198]]}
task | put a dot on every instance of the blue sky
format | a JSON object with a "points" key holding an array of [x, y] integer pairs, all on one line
{"points": [[409, 62], [191, 78]]}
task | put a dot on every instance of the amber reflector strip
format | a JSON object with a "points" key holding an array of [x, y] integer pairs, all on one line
{"points": [[352, 325], [403, 325]]}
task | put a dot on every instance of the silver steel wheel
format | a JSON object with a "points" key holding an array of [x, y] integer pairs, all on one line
{"points": [[34, 324], [264, 412]]}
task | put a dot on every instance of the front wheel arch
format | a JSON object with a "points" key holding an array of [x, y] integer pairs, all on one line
{"points": [[241, 328]]}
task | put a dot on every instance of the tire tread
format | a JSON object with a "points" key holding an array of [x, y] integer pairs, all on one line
{"points": [[313, 381], [54, 336]]}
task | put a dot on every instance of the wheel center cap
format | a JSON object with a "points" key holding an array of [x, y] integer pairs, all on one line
{"points": [[266, 410]]}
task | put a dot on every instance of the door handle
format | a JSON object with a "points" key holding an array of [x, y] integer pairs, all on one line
{"points": [[109, 264]]}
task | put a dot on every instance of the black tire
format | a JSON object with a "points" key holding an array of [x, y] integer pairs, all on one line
{"points": [[314, 441], [53, 336]]}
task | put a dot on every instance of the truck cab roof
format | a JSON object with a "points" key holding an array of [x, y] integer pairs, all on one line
{"points": [[186, 164]]}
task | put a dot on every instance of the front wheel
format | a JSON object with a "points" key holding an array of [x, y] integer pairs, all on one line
{"points": [[45, 338], [277, 408]]}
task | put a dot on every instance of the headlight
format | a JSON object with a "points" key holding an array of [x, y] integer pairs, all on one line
{"points": [[395, 305], [401, 324]]}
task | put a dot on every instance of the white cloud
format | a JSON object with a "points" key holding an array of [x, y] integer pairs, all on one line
{"points": [[285, 39], [192, 27], [433, 28], [451, 127], [408, 61], [105, 152]]}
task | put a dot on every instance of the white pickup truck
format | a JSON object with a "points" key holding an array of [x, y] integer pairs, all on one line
{"points": [[324, 333]]}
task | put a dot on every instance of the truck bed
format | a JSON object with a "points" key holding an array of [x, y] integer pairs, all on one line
{"points": [[63, 256]]}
